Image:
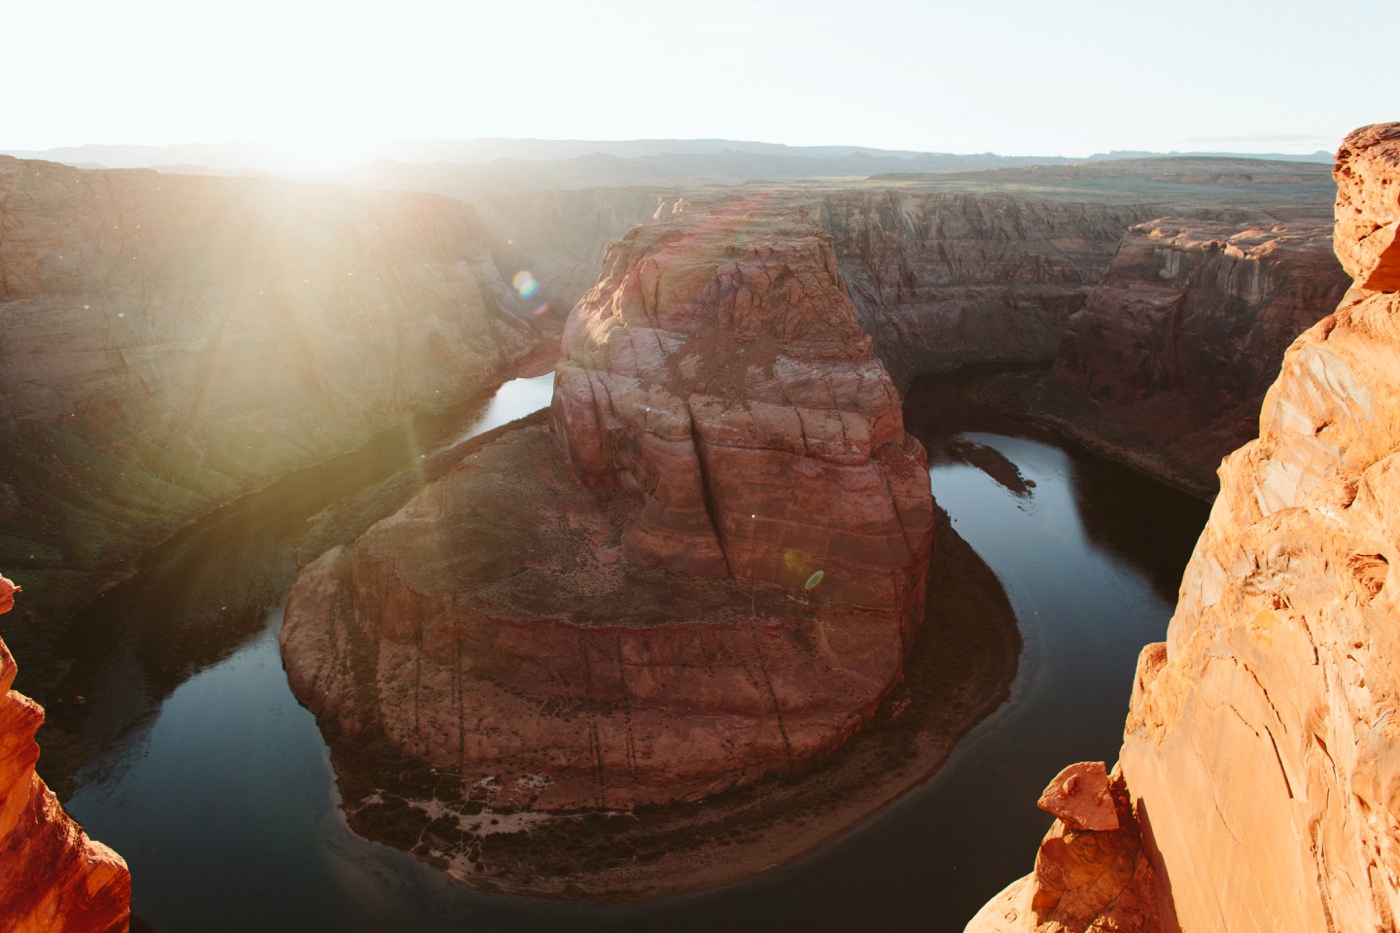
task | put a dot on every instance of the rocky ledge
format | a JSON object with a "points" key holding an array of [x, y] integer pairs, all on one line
{"points": [[707, 567], [1261, 751], [52, 876]]}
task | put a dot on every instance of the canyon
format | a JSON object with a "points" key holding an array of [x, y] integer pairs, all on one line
{"points": [[1257, 773], [171, 342], [705, 567]]}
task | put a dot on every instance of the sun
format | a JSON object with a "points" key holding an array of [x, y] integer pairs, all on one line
{"points": [[330, 151]]}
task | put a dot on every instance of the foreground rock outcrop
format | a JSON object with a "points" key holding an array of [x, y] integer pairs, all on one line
{"points": [[708, 567], [53, 878], [1260, 752], [173, 341]]}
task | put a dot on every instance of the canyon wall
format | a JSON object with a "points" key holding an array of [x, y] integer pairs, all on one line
{"points": [[947, 279], [1179, 322], [708, 568], [1260, 752], [559, 237], [53, 878], [720, 374], [1167, 363], [167, 342]]}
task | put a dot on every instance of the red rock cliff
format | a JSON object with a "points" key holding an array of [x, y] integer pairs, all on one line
{"points": [[53, 878], [1185, 333], [719, 374], [729, 592], [1260, 752], [171, 341], [943, 280]]}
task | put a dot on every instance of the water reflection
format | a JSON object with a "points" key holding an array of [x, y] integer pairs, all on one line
{"points": [[222, 799]]}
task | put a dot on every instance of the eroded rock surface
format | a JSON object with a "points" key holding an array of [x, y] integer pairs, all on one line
{"points": [[944, 280], [171, 341], [709, 567], [719, 375], [53, 878], [1260, 750], [1176, 346], [1086, 880], [1261, 745]]}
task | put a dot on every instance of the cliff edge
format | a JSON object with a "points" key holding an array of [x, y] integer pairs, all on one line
{"points": [[53, 878], [1260, 754]]}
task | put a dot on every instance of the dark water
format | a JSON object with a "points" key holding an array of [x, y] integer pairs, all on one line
{"points": [[214, 783]]}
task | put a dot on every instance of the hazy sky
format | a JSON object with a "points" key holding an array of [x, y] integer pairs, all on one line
{"points": [[329, 77]]}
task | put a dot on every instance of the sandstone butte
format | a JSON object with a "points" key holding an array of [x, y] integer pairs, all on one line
{"points": [[56, 879], [1260, 767], [1164, 290], [708, 566]]}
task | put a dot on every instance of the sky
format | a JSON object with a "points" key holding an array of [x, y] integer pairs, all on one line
{"points": [[329, 79]]}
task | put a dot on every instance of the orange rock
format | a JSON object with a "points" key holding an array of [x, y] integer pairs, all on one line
{"points": [[708, 569], [52, 876], [1084, 880], [1262, 748], [1368, 207], [8, 589], [1079, 796]]}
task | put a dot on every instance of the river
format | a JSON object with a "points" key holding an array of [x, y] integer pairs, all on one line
{"points": [[214, 783]]}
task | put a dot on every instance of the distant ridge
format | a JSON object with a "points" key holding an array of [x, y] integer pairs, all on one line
{"points": [[654, 160]]}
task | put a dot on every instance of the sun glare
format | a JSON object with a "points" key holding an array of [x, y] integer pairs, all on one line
{"points": [[324, 152]]}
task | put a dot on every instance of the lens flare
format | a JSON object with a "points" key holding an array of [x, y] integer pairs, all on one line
{"points": [[525, 284]]}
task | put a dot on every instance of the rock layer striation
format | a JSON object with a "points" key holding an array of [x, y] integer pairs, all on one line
{"points": [[1260, 750], [708, 567], [1169, 360]]}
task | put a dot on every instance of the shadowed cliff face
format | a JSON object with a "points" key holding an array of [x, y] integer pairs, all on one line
{"points": [[1169, 360], [944, 280], [171, 341], [1259, 750], [717, 578]]}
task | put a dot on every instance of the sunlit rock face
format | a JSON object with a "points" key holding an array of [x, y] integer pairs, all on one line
{"points": [[1260, 751], [1262, 747], [1178, 343], [52, 876], [170, 341], [709, 566]]}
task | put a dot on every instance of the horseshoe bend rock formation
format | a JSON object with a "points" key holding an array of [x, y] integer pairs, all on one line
{"points": [[52, 876], [172, 341], [1261, 751], [707, 567]]}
